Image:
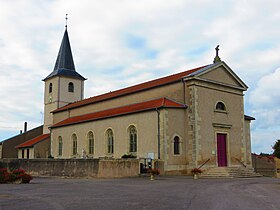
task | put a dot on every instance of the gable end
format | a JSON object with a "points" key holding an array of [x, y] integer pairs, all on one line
{"points": [[220, 74]]}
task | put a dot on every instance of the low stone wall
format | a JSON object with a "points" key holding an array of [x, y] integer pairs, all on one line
{"points": [[118, 168], [277, 163], [77, 167], [264, 165]]}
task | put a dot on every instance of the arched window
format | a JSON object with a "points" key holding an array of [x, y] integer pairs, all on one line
{"points": [[110, 141], [90, 143], [74, 145], [59, 146], [132, 139], [71, 87], [176, 143], [220, 106], [50, 88]]}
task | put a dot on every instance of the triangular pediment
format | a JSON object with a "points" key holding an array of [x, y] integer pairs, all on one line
{"points": [[220, 73]]}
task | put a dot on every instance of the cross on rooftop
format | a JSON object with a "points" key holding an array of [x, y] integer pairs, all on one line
{"points": [[66, 18]]}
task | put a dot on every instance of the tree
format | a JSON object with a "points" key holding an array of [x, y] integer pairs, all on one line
{"points": [[264, 154], [276, 148]]}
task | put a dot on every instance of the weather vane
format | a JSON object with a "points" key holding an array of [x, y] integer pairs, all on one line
{"points": [[66, 18]]}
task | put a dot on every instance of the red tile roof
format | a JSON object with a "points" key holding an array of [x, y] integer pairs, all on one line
{"points": [[132, 89], [34, 141], [128, 109]]}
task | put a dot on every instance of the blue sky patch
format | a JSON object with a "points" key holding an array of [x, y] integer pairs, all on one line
{"points": [[135, 42], [198, 51], [140, 45]]}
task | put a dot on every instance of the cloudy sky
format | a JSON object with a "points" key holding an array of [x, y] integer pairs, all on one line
{"points": [[117, 43]]}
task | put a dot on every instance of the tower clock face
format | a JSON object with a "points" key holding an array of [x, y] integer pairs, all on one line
{"points": [[50, 98]]}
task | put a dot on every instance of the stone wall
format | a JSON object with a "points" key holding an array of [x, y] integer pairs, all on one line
{"points": [[277, 163], [118, 168], [264, 165], [77, 167]]}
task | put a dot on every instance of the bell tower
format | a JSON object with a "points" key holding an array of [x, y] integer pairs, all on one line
{"points": [[63, 85]]}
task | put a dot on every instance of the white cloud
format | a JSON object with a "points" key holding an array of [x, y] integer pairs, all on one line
{"points": [[267, 92], [262, 141], [265, 100]]}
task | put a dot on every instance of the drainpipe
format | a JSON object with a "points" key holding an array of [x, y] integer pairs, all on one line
{"points": [[51, 139], [184, 91], [82, 90], [58, 94], [158, 135]]}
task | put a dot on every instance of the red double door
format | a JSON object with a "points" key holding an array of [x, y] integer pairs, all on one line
{"points": [[222, 149]]}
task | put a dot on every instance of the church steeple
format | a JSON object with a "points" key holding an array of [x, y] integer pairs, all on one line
{"points": [[64, 58], [64, 65], [63, 85]]}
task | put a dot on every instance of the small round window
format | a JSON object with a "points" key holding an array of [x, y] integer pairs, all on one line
{"points": [[220, 106]]}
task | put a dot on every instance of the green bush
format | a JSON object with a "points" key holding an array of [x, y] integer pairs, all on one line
{"points": [[129, 156], [276, 148], [13, 165], [2, 165]]}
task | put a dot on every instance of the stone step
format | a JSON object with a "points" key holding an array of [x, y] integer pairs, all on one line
{"points": [[229, 172]]}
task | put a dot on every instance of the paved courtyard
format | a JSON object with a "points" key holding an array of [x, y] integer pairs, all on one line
{"points": [[141, 193]]}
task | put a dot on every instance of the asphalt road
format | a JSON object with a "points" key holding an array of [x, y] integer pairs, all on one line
{"points": [[141, 193]]}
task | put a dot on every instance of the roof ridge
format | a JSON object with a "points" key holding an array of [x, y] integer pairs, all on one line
{"points": [[117, 111], [131, 89], [127, 105], [28, 131], [176, 74], [37, 138], [172, 100]]}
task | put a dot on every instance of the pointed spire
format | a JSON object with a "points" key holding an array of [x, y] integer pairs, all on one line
{"points": [[64, 58], [64, 65], [217, 58]]}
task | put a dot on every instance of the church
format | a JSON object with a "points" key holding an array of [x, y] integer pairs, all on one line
{"points": [[185, 120]]}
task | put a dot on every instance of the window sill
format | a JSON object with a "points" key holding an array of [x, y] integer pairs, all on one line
{"points": [[220, 125], [177, 155], [109, 156], [221, 111]]}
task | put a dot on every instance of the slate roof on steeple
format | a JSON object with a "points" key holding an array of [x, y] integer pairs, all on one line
{"points": [[64, 65]]}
